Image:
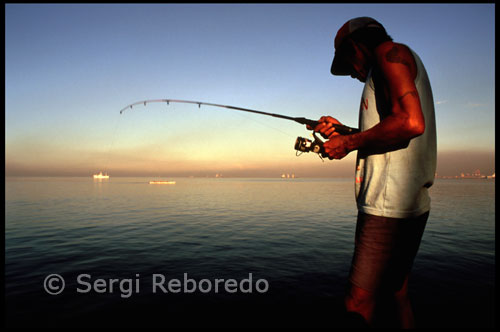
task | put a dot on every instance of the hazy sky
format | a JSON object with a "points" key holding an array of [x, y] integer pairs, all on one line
{"points": [[69, 69]]}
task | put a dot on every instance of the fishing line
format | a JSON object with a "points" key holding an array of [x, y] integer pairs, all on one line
{"points": [[301, 144], [264, 124], [159, 162], [341, 129], [144, 103], [111, 146], [290, 164]]}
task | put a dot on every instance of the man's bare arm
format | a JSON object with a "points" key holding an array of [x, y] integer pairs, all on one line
{"points": [[406, 119]]}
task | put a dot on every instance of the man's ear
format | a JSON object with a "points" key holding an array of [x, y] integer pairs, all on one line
{"points": [[360, 47]]}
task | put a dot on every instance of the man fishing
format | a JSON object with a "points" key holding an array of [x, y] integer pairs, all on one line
{"points": [[395, 165]]}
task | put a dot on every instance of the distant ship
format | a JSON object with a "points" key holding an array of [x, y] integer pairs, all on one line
{"points": [[101, 176], [491, 176], [161, 182]]}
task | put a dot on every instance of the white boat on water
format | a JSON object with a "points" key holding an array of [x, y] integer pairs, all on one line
{"points": [[101, 176], [161, 182]]}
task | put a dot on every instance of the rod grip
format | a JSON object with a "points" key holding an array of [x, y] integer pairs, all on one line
{"points": [[341, 129], [345, 130]]}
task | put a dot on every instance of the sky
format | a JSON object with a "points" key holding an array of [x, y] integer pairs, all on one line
{"points": [[70, 69]]}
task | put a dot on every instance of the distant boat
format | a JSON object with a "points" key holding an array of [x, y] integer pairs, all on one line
{"points": [[101, 176], [491, 176], [161, 182]]}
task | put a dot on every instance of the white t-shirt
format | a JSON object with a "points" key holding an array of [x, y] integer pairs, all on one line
{"points": [[395, 184]]}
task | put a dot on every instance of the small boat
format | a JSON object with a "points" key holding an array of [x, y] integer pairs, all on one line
{"points": [[101, 176], [161, 182]]}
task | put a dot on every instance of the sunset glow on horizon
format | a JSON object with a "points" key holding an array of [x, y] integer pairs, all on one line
{"points": [[71, 68]]}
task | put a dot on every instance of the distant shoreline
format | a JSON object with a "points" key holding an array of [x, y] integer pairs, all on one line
{"points": [[464, 178]]}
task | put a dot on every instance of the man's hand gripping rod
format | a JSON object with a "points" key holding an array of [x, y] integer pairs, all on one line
{"points": [[305, 145]]}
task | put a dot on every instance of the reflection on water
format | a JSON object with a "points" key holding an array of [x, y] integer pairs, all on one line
{"points": [[295, 233]]}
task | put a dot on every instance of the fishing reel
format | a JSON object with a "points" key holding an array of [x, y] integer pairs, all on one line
{"points": [[306, 145]]}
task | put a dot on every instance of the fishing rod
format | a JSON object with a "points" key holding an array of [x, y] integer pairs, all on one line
{"points": [[301, 144]]}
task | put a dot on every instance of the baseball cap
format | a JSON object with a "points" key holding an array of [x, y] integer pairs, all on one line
{"points": [[340, 66]]}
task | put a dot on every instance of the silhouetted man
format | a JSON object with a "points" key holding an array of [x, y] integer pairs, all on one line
{"points": [[395, 165]]}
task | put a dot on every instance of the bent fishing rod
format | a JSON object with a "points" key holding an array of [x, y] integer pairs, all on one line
{"points": [[301, 144]]}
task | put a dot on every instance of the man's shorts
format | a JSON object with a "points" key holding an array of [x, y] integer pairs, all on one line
{"points": [[384, 251]]}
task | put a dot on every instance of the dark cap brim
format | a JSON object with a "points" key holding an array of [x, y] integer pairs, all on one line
{"points": [[340, 66]]}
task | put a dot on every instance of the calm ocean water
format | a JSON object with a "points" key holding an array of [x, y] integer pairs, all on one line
{"points": [[296, 234]]}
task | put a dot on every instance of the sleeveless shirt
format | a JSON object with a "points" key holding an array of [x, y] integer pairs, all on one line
{"points": [[395, 184]]}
